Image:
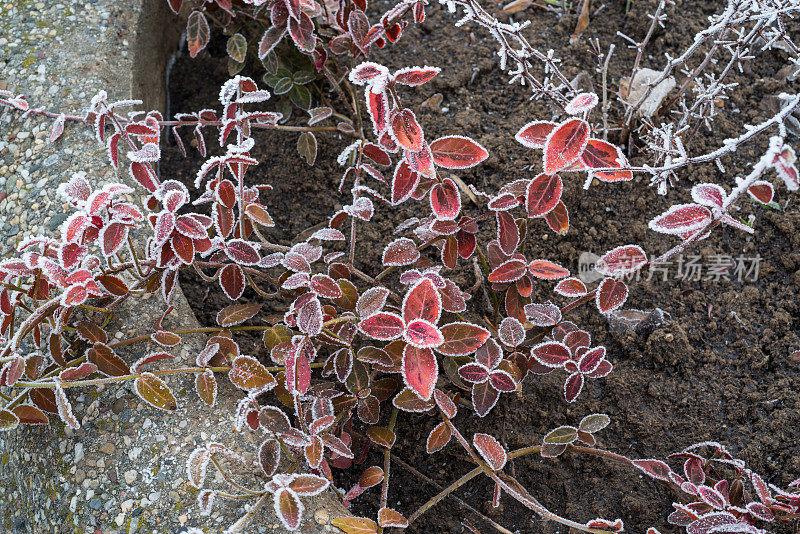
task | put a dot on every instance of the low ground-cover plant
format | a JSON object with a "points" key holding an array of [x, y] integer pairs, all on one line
{"points": [[355, 350]]}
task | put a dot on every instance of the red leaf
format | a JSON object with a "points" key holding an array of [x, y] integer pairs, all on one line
{"points": [[421, 162], [143, 174], [407, 131], [681, 218], [422, 302], [621, 260], [461, 339], [571, 287], [558, 219], [534, 134], [502, 381], [490, 450], [376, 154], [507, 232], [456, 152], [422, 333], [474, 373], [611, 294], [591, 360], [382, 326], [543, 194], [565, 145], [400, 252], [414, 76], [445, 200], [302, 33], [551, 354], [445, 403], [654, 468], [547, 270], [242, 252], [762, 191], [232, 282], [573, 386], [484, 397], [378, 107], [511, 332], [368, 73], [404, 183], [600, 154], [420, 370], [710, 195], [509, 271]]}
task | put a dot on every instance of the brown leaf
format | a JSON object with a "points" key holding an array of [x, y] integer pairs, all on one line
{"points": [[155, 392]]}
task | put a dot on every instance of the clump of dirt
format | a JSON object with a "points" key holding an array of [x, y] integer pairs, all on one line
{"points": [[718, 370]]}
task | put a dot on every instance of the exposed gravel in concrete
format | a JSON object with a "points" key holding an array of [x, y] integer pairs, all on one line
{"points": [[124, 469]]}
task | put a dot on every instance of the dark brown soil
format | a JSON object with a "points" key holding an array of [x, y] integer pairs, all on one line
{"points": [[719, 370]]}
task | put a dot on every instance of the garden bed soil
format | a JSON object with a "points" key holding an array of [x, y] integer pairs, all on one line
{"points": [[718, 370]]}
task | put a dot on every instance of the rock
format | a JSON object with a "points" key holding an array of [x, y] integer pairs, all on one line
{"points": [[108, 448]]}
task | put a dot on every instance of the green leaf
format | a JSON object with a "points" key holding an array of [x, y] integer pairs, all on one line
{"points": [[300, 97], [303, 77], [270, 62], [594, 422], [234, 67], [282, 86], [562, 435], [8, 421], [307, 146], [237, 47]]}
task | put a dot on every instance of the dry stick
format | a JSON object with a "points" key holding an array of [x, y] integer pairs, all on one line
{"points": [[530, 501], [641, 46], [605, 92], [445, 492]]}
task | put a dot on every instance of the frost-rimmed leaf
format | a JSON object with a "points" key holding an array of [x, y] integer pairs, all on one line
{"points": [[573, 386], [206, 387], [621, 261], [462, 339], [611, 294], [711, 195], [382, 326], [400, 252], [547, 270], [422, 334], [196, 466], [547, 314], [445, 200], [484, 397], [438, 438], [543, 194], [457, 152], [761, 191], [8, 420], [248, 373], [654, 468], [388, 517], [565, 144], [288, 506], [414, 76], [65, 408], [551, 354], [680, 219], [534, 134], [28, 415], [237, 313], [594, 422], [404, 182], [197, 32], [205, 500], [420, 370], [508, 271], [150, 358], [406, 130], [511, 332], [155, 392], [422, 302], [371, 301], [237, 47], [490, 450], [581, 103], [571, 287], [562, 435]]}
